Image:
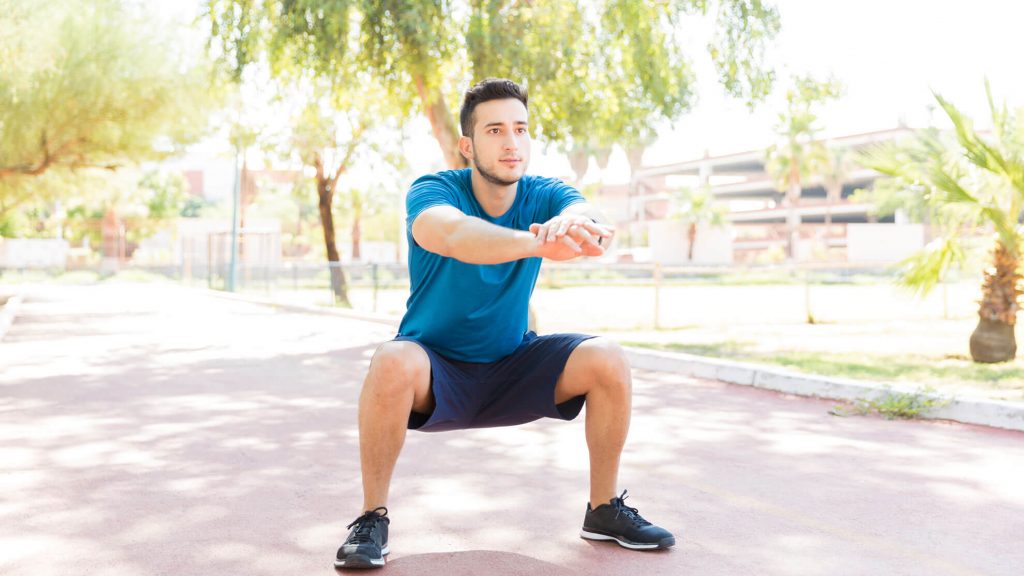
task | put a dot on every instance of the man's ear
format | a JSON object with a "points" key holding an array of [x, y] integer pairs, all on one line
{"points": [[466, 147]]}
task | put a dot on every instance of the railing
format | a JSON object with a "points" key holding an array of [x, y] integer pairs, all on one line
{"points": [[653, 290]]}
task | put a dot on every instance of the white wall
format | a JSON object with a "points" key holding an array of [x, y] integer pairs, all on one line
{"points": [[882, 243], [669, 244], [33, 253]]}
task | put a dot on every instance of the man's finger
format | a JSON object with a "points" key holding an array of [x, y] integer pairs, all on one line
{"points": [[564, 226], [542, 232], [582, 236], [571, 244], [603, 230], [554, 231]]}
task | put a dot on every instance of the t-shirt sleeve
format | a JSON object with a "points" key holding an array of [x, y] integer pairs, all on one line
{"points": [[427, 192], [560, 197]]}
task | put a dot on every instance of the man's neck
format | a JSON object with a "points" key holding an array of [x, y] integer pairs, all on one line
{"points": [[495, 199]]}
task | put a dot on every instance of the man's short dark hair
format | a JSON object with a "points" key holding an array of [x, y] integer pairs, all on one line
{"points": [[484, 91]]}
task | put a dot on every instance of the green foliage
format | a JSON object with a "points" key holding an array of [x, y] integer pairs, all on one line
{"points": [[745, 29], [964, 180], [163, 193], [601, 73], [886, 196], [798, 155], [622, 70], [895, 405], [90, 84], [696, 205], [918, 272]]}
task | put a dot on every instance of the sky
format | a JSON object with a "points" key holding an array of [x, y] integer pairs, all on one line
{"points": [[889, 55]]}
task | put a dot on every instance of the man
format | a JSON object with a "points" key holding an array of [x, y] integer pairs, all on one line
{"points": [[463, 357]]}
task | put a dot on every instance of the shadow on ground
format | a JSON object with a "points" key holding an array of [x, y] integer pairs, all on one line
{"points": [[232, 447]]}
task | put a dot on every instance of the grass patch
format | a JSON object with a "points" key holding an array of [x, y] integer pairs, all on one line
{"points": [[906, 368], [895, 405], [77, 277], [135, 275]]}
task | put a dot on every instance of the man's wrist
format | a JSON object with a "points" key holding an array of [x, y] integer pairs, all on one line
{"points": [[529, 243]]}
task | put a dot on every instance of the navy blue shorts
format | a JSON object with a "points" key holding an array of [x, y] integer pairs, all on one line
{"points": [[517, 389]]}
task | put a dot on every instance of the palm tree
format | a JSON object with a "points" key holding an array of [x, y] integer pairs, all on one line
{"points": [[798, 155], [970, 181], [696, 206], [834, 175]]}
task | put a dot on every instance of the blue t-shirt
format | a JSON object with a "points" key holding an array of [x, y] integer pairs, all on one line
{"points": [[475, 312]]}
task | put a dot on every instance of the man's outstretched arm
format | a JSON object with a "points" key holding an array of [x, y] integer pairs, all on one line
{"points": [[445, 230]]}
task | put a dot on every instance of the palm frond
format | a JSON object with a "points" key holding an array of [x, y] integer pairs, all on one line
{"points": [[923, 271], [975, 148], [943, 180]]}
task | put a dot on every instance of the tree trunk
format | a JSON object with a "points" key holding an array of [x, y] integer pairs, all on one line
{"points": [[356, 237], [993, 339], [338, 285], [691, 236], [635, 156], [579, 161], [833, 194], [792, 218], [442, 123]]}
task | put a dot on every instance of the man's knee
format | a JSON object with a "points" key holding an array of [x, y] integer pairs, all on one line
{"points": [[608, 362], [398, 365]]}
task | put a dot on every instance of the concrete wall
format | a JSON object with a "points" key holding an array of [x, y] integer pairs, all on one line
{"points": [[43, 253], [669, 244], [882, 243]]}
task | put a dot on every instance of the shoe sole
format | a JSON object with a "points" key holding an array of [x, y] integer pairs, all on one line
{"points": [[665, 543], [362, 561]]}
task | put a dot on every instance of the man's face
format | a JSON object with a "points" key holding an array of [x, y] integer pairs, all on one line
{"points": [[500, 147]]}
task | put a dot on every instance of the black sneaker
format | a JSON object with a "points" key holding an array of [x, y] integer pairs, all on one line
{"points": [[367, 543], [618, 522]]}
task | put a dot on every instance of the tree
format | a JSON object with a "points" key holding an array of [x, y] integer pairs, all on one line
{"points": [[335, 128], [798, 155], [611, 80], [695, 207], [970, 181], [838, 165], [319, 142], [622, 71], [89, 84]]}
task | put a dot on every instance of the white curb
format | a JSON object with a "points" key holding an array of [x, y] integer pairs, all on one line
{"points": [[8, 312], [995, 413]]}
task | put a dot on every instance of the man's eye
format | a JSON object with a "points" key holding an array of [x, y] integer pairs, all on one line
{"points": [[522, 130]]}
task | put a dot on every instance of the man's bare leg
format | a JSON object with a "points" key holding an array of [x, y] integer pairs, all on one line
{"points": [[397, 382], [598, 368]]}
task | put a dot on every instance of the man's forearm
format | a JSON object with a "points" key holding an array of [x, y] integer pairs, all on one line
{"points": [[477, 241]]}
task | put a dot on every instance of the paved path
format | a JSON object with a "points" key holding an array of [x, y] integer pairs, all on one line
{"points": [[147, 429]]}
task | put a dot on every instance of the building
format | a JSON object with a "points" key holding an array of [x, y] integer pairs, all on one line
{"points": [[756, 229]]}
